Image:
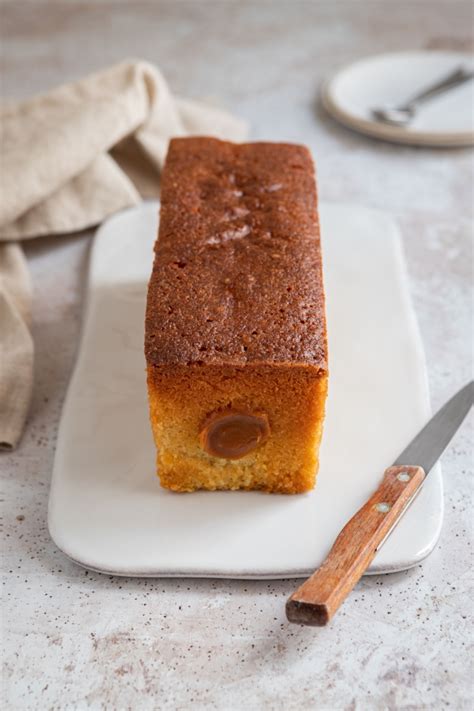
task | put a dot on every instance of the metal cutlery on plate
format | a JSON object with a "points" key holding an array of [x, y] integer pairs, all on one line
{"points": [[405, 112]]}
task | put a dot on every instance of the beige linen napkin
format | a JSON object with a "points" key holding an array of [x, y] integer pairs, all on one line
{"points": [[70, 158]]}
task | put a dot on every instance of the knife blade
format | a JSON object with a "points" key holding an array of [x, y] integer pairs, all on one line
{"points": [[318, 598], [429, 444]]}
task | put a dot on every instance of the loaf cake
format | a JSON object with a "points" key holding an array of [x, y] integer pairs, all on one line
{"points": [[235, 333]]}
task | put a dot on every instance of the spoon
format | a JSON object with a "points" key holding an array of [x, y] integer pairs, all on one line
{"points": [[402, 114]]}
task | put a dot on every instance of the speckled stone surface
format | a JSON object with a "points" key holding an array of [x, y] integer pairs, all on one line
{"points": [[79, 640]]}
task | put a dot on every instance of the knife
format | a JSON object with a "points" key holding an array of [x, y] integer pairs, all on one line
{"points": [[318, 598]]}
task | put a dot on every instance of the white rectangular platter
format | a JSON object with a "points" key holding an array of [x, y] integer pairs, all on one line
{"points": [[107, 510]]}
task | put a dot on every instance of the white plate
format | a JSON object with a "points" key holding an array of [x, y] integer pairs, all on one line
{"points": [[107, 510], [389, 79]]}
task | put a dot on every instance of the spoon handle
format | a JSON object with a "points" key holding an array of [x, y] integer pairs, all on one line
{"points": [[455, 78]]}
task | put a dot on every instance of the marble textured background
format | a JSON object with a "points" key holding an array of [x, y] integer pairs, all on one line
{"points": [[79, 640]]}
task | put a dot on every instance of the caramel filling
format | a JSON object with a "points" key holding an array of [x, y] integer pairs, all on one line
{"points": [[232, 434]]}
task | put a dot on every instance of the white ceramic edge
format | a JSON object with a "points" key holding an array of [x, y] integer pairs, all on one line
{"points": [[384, 131], [235, 575], [229, 574], [84, 327], [402, 272]]}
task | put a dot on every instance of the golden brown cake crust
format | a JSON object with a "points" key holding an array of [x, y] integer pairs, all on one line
{"points": [[237, 276]]}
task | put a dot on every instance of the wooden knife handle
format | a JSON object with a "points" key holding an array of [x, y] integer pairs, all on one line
{"points": [[316, 601]]}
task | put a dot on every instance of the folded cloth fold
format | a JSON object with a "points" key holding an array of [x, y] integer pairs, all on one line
{"points": [[70, 158], [16, 344]]}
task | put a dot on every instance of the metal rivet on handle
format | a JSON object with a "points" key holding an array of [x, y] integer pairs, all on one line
{"points": [[403, 476], [383, 507]]}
